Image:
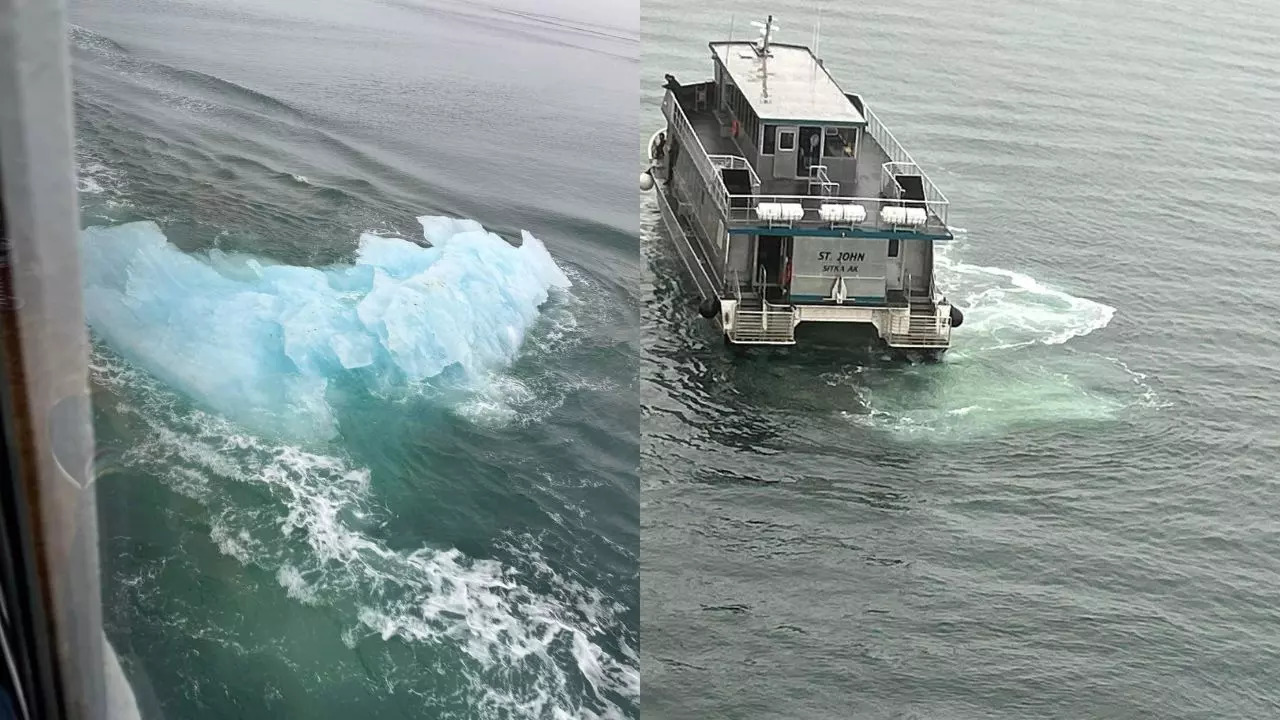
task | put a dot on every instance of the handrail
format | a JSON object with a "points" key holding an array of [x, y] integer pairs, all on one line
{"points": [[774, 326], [741, 206], [675, 114], [884, 138], [736, 162], [818, 176], [770, 197], [897, 154], [707, 164], [889, 176], [899, 159]]}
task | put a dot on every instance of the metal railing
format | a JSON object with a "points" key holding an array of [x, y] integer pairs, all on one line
{"points": [[708, 165], [935, 201], [742, 211], [889, 173], [736, 162], [932, 331], [778, 323], [885, 139], [932, 290], [771, 325], [768, 327], [688, 139], [919, 330], [819, 178]]}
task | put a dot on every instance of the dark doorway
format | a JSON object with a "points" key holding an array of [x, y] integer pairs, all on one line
{"points": [[912, 189], [810, 150], [738, 183], [772, 259]]}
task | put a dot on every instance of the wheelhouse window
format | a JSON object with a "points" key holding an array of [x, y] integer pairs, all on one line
{"points": [[840, 142], [769, 140], [787, 140]]}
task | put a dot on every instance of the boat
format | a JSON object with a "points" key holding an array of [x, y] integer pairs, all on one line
{"points": [[790, 203]]}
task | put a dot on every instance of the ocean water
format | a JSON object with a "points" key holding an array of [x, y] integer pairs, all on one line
{"points": [[361, 279], [1074, 515]]}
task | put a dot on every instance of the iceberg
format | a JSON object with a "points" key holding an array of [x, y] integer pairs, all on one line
{"points": [[260, 343]]}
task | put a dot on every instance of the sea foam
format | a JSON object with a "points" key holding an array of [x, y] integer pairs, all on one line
{"points": [[260, 343]]}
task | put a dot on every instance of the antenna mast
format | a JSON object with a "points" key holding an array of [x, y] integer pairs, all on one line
{"points": [[817, 34], [766, 34]]}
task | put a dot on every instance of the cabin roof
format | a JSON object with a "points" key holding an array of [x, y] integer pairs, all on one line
{"points": [[795, 86]]}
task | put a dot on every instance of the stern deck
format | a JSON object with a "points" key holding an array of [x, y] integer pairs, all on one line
{"points": [[873, 189]]}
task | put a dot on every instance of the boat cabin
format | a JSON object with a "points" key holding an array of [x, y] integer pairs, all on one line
{"points": [[805, 197]]}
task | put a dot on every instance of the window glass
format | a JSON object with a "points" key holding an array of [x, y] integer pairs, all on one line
{"points": [[840, 142]]}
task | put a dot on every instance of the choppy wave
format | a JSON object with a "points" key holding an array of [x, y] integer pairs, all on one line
{"points": [[262, 343], [528, 641]]}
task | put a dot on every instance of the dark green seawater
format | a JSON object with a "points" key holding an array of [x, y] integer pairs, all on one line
{"points": [[1073, 516], [451, 552]]}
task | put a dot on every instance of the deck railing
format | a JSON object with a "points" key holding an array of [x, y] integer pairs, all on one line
{"points": [[688, 140], [889, 173], [736, 162], [742, 211], [778, 320], [885, 139], [898, 156]]}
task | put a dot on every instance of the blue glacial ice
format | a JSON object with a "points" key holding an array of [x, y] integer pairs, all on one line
{"points": [[260, 343]]}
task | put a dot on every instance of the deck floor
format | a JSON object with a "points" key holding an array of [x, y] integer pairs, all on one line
{"points": [[871, 160], [708, 129]]}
